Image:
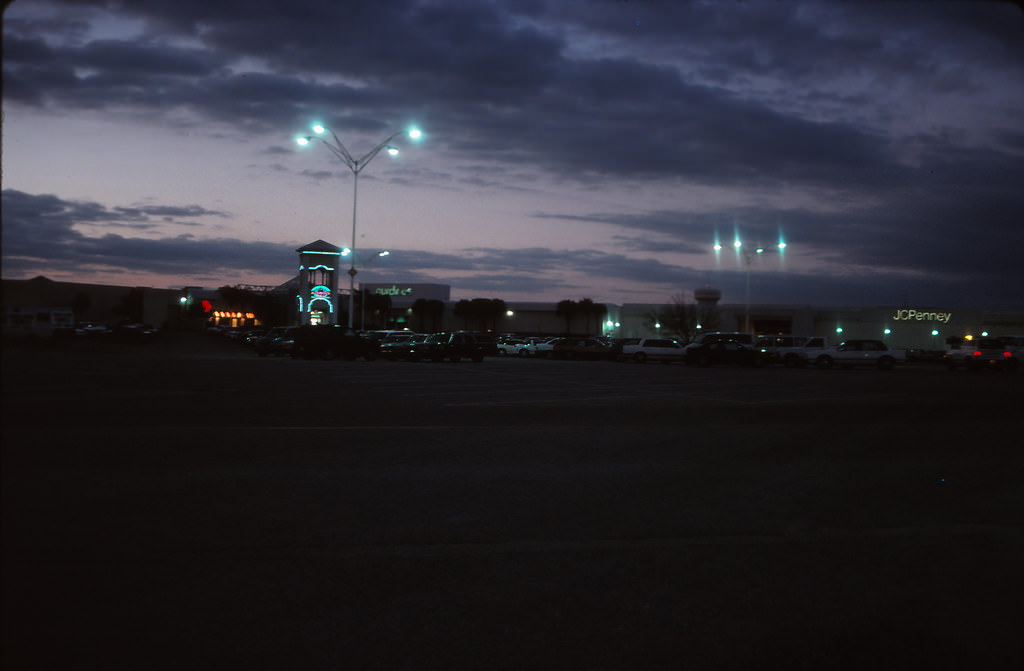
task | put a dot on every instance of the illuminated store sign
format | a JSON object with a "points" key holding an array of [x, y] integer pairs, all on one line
{"points": [[393, 290], [320, 291], [235, 315], [920, 316]]}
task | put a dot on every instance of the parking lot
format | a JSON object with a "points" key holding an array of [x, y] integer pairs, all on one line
{"points": [[186, 503]]}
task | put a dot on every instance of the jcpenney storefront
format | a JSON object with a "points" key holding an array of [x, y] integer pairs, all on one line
{"points": [[901, 327], [922, 327]]}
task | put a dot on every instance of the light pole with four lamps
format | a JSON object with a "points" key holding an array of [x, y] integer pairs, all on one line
{"points": [[748, 255], [356, 165]]}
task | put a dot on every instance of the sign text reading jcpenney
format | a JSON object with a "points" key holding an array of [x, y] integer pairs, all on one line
{"points": [[921, 316]]}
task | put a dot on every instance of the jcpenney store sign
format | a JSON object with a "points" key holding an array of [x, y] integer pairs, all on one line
{"points": [[911, 315]]}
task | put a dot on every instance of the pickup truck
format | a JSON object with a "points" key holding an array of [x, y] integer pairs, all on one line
{"points": [[653, 349], [860, 353], [793, 351]]}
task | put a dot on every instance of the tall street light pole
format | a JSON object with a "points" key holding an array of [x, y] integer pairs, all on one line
{"points": [[362, 299], [356, 166], [748, 255]]}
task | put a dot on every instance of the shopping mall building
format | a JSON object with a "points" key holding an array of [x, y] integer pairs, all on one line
{"points": [[901, 326], [315, 295]]}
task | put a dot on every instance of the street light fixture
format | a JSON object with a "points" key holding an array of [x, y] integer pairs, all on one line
{"points": [[362, 300], [748, 254], [356, 165]]}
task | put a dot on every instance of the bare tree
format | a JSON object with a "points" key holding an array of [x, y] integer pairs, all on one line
{"points": [[682, 318]]}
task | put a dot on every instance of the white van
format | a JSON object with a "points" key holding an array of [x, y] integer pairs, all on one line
{"points": [[38, 322]]}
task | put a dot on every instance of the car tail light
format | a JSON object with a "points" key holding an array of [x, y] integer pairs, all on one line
{"points": [[1007, 354]]}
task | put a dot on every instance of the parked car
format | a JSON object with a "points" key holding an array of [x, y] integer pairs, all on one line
{"points": [[509, 345], [726, 336], [252, 335], [792, 351], [454, 347], [983, 353], [396, 345], [234, 333], [860, 353], [653, 349], [537, 347], [91, 329], [580, 348], [1014, 342], [134, 332], [724, 350], [278, 341], [615, 346], [331, 341]]}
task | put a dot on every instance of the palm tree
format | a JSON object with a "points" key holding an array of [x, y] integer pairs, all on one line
{"points": [[588, 309], [428, 310], [419, 311], [567, 309], [480, 310], [435, 310], [464, 310], [372, 306]]}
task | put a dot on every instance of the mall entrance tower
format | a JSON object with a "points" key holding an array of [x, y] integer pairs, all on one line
{"points": [[318, 283]]}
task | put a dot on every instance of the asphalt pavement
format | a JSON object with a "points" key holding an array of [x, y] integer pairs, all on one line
{"points": [[186, 504]]}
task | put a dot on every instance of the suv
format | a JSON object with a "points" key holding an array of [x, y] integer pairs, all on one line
{"points": [[454, 347], [1015, 343], [988, 353], [329, 341]]}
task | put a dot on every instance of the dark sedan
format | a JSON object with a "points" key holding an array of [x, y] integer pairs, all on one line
{"points": [[726, 352], [581, 348], [332, 342], [278, 341]]}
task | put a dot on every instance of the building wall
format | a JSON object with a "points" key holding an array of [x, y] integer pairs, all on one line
{"points": [[922, 327], [160, 307], [917, 327]]}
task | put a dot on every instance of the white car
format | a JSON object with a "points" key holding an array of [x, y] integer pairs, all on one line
{"points": [[860, 353], [510, 346], [653, 349], [542, 347]]}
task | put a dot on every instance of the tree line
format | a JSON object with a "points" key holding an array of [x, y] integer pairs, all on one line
{"points": [[483, 314]]}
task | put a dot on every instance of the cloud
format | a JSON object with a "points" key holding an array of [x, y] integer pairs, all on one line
{"points": [[41, 231], [884, 139]]}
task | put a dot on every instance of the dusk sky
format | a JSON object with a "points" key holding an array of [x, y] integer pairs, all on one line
{"points": [[591, 148]]}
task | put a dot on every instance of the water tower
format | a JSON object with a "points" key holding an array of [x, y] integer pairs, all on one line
{"points": [[707, 297]]}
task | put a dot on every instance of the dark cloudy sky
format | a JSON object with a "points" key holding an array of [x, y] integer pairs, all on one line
{"points": [[590, 148]]}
